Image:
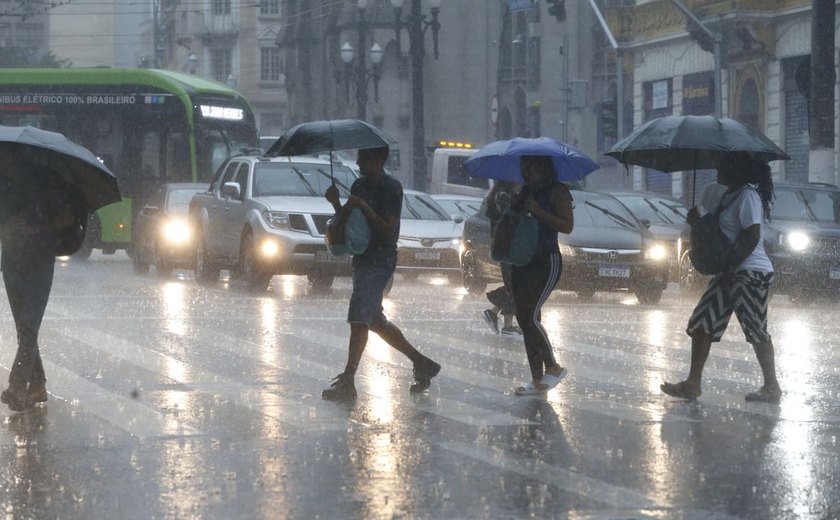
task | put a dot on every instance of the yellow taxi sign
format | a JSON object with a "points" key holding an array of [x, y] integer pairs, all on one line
{"points": [[454, 144]]}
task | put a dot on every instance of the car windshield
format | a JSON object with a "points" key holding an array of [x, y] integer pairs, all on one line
{"points": [[603, 212], [422, 207], [277, 178], [656, 210], [179, 200], [805, 204], [466, 208]]}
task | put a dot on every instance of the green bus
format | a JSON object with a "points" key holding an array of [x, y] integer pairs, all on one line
{"points": [[148, 126]]}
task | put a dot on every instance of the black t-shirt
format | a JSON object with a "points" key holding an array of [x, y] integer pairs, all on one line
{"points": [[37, 201], [385, 197]]}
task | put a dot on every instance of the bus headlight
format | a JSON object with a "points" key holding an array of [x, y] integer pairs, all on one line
{"points": [[176, 232], [798, 241], [277, 219], [656, 252], [269, 248]]}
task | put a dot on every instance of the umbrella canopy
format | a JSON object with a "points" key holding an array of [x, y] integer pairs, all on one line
{"points": [[325, 136], [678, 143], [499, 160], [74, 163]]}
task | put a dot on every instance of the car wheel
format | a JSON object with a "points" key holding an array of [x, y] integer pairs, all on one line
{"points": [[690, 280], [648, 296], [585, 294], [474, 284], [320, 282], [140, 267], [92, 233], [255, 276], [205, 271]]}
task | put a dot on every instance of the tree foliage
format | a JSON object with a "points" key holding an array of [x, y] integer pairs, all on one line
{"points": [[29, 58]]}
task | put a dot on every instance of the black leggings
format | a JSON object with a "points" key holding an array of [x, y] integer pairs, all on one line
{"points": [[532, 285]]}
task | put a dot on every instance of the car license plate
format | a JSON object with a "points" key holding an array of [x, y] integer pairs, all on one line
{"points": [[614, 272], [427, 255], [834, 274], [326, 256]]}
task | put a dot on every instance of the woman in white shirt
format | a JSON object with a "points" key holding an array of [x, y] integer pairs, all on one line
{"points": [[743, 288]]}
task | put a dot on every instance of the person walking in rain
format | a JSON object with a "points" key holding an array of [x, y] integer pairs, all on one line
{"points": [[32, 205], [550, 202], [379, 196], [744, 286], [495, 203]]}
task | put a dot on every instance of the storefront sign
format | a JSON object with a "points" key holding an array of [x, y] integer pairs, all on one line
{"points": [[660, 96], [698, 94]]}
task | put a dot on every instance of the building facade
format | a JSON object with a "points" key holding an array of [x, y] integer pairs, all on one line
{"points": [[764, 66]]}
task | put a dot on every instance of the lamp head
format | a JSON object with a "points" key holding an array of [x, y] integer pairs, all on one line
{"points": [[376, 54], [346, 52]]}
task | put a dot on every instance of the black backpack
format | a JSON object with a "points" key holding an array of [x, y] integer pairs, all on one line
{"points": [[710, 248]]}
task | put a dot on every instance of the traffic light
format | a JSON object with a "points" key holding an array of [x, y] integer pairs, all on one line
{"points": [[609, 118], [557, 9]]}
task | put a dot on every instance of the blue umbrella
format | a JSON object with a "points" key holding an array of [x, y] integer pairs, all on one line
{"points": [[499, 160]]}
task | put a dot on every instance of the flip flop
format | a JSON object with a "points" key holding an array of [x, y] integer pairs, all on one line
{"points": [[680, 391], [764, 395], [528, 389], [549, 381]]}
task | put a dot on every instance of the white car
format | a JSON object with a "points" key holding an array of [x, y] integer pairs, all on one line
{"points": [[464, 205], [429, 238], [263, 216]]}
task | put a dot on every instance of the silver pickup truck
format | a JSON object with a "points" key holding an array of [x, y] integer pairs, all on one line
{"points": [[263, 216]]}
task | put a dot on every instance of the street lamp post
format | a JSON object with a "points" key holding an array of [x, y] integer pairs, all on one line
{"points": [[192, 63], [361, 68], [363, 75], [416, 24]]}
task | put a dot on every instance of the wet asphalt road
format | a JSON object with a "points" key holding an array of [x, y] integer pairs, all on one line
{"points": [[171, 400]]}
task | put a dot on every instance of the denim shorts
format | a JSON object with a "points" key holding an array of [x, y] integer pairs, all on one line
{"points": [[366, 301]]}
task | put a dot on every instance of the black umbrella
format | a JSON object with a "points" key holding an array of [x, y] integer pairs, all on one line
{"points": [[679, 143], [686, 143], [326, 136], [75, 164]]}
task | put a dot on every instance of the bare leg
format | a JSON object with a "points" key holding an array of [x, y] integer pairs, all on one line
{"points": [[766, 359], [394, 337], [701, 343], [358, 341]]}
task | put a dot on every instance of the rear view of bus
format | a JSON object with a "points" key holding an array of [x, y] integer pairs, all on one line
{"points": [[148, 126]]}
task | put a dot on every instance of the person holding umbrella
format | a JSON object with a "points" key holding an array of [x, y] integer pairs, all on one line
{"points": [[743, 287], [379, 196], [550, 202], [33, 204]]}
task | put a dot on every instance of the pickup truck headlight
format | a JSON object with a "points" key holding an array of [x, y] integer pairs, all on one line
{"points": [[277, 219], [797, 241], [176, 232]]}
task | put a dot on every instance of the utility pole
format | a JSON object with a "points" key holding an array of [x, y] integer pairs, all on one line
{"points": [[717, 40], [821, 95]]}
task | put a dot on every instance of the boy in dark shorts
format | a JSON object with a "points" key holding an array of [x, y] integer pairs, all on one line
{"points": [[379, 196]]}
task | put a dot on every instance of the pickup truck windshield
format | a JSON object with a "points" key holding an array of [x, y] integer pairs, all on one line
{"points": [[299, 179]]}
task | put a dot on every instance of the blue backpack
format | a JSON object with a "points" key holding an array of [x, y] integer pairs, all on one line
{"points": [[356, 236], [515, 238]]}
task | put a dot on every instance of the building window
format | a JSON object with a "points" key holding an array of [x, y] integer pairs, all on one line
{"points": [[221, 6], [270, 63], [221, 62], [269, 6]]}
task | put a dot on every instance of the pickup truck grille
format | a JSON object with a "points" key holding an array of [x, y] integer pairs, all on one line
{"points": [[297, 222], [321, 223]]}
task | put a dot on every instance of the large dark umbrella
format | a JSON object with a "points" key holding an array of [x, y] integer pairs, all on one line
{"points": [[326, 136], [75, 164], [499, 160], [679, 143]]}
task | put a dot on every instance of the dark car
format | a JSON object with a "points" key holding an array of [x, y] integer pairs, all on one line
{"points": [[161, 235], [802, 240], [609, 250], [664, 216]]}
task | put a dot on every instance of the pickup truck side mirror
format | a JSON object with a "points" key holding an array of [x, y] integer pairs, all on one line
{"points": [[230, 190], [645, 222], [457, 218]]}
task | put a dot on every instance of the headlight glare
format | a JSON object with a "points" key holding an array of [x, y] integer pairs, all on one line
{"points": [[656, 252], [566, 250], [798, 241], [176, 232], [269, 248], [277, 219]]}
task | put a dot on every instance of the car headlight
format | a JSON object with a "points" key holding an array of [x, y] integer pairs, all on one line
{"points": [[176, 232], [455, 242], [797, 241], [566, 250], [656, 252], [277, 219]]}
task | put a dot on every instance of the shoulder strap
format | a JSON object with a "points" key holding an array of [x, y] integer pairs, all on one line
{"points": [[722, 206]]}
